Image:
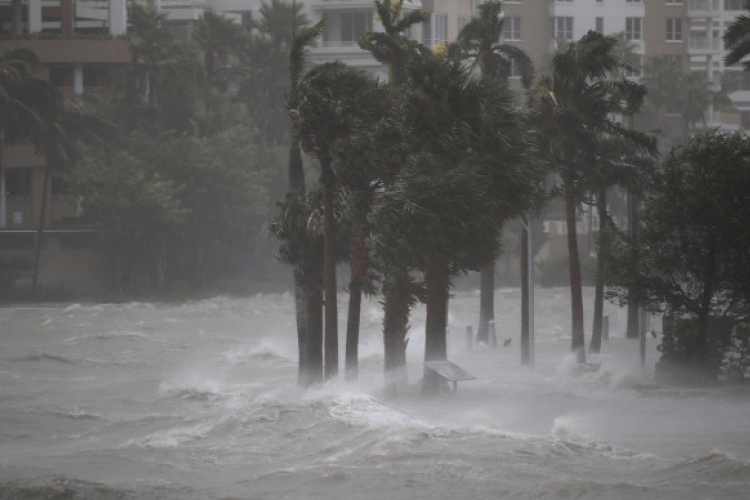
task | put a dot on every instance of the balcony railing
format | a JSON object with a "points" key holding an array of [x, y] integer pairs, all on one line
{"points": [[704, 7], [705, 45]]}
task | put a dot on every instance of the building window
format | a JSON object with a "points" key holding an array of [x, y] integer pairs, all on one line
{"points": [[633, 28], [636, 63], [632, 1], [674, 2], [18, 184], [599, 24], [737, 81], [562, 27], [745, 119], [354, 25], [512, 28], [734, 4], [435, 30], [62, 78], [674, 29], [463, 21]]}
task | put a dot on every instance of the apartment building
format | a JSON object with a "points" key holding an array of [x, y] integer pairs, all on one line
{"points": [[690, 31]]}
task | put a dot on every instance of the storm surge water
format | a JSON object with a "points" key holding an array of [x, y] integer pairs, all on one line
{"points": [[199, 400]]}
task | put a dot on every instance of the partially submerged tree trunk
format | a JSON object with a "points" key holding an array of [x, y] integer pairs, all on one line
{"points": [[331, 367], [633, 313], [396, 306], [596, 333], [296, 177], [578, 344], [314, 362], [436, 348], [486, 301], [525, 309], [358, 263]]}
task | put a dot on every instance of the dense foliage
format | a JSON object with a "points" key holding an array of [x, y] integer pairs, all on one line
{"points": [[693, 248]]}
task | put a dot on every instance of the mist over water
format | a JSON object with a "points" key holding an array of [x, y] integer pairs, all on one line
{"points": [[199, 400]]}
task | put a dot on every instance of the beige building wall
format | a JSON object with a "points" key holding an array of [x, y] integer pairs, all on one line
{"points": [[535, 30]]}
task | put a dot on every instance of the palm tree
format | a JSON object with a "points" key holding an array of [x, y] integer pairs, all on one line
{"points": [[737, 41], [391, 47], [395, 50], [149, 41], [326, 107], [480, 40], [69, 125], [573, 109], [441, 211], [19, 91], [218, 37], [306, 294]]}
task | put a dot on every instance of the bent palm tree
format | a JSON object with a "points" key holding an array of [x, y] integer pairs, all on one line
{"points": [[306, 294], [480, 40], [573, 109]]}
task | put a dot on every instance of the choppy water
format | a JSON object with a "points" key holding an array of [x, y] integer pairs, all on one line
{"points": [[199, 400]]}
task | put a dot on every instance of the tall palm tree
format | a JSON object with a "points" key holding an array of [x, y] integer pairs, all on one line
{"points": [[480, 40], [19, 91], [68, 124], [573, 109], [218, 37], [149, 41], [392, 48], [307, 296], [326, 107], [441, 211]]}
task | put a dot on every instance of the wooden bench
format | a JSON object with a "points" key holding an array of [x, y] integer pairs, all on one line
{"points": [[449, 372]]}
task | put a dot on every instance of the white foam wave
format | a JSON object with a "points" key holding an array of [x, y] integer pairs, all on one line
{"points": [[266, 352], [113, 335], [173, 437]]}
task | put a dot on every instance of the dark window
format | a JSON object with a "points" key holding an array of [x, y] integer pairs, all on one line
{"points": [[18, 184]]}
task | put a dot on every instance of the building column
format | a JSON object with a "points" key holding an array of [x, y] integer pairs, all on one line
{"points": [[66, 17], [118, 17], [35, 16], [78, 78]]}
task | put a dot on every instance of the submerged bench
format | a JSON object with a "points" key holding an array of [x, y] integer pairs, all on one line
{"points": [[449, 371]]}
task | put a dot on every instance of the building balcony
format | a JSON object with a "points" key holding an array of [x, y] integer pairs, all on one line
{"points": [[703, 46], [704, 8], [73, 50], [348, 4]]}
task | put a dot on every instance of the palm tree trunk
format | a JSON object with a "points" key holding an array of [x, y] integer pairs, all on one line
{"points": [[596, 333], [358, 263], [300, 309], [436, 348], [296, 177], [525, 309], [486, 300], [633, 313], [314, 362], [395, 327], [578, 344], [331, 367]]}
